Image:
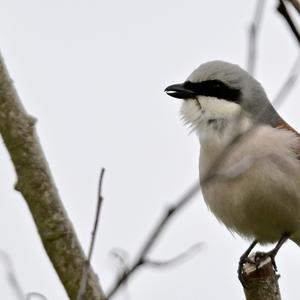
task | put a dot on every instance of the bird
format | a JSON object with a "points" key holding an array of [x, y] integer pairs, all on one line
{"points": [[249, 167]]}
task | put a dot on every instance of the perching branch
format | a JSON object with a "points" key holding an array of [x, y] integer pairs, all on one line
{"points": [[261, 282], [141, 258], [253, 33], [35, 183], [84, 278]]}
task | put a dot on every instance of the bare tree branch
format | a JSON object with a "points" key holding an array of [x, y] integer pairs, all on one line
{"points": [[86, 267], [178, 259], [261, 282], [11, 275], [98, 210], [121, 256], [140, 259], [284, 12], [13, 279], [296, 5], [253, 34], [37, 186], [289, 82], [34, 295]]}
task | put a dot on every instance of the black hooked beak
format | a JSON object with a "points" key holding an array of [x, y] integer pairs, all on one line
{"points": [[179, 91]]}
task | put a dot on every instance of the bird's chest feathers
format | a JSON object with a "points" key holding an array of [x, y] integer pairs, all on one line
{"points": [[258, 177], [228, 194]]}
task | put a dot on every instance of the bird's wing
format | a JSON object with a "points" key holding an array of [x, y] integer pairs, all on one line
{"points": [[286, 126]]}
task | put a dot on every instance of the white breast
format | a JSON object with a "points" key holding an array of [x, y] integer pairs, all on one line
{"points": [[257, 193]]}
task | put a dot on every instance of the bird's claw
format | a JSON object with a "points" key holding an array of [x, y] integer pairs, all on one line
{"points": [[258, 258], [243, 260], [261, 256]]}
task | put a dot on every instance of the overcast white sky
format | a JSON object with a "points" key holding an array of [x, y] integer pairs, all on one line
{"points": [[93, 73]]}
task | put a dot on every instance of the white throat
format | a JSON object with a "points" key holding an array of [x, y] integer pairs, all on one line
{"points": [[216, 121]]}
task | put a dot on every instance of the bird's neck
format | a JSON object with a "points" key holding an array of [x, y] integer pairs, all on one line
{"points": [[215, 139], [218, 133]]}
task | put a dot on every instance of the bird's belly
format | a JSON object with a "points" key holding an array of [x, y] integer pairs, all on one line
{"points": [[257, 193], [252, 210]]}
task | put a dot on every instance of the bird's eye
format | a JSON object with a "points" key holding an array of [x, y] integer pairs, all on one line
{"points": [[217, 84]]}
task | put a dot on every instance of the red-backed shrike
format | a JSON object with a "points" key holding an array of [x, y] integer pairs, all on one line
{"points": [[255, 187]]}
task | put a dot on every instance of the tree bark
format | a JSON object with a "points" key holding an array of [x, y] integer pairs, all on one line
{"points": [[296, 5], [261, 283], [37, 186]]}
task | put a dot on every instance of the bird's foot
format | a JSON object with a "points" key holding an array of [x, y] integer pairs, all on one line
{"points": [[261, 256], [244, 259]]}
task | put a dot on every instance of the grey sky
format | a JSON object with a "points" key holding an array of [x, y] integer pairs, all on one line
{"points": [[93, 73]]}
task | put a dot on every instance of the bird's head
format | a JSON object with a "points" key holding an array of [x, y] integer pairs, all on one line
{"points": [[217, 92]]}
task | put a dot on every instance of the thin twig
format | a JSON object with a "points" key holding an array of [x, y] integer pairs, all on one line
{"points": [[284, 12], [169, 213], [86, 266], [35, 295], [121, 255], [98, 210], [153, 237], [13, 280], [122, 264], [253, 33], [178, 259], [289, 82], [11, 275], [296, 5]]}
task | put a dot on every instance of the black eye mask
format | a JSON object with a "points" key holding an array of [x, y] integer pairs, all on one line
{"points": [[213, 88]]}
